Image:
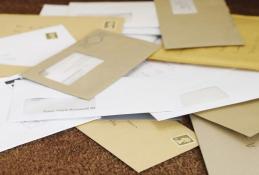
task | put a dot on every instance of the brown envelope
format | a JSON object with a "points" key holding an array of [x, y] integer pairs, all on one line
{"points": [[242, 118], [141, 143], [196, 23], [78, 26], [225, 151], [92, 64]]}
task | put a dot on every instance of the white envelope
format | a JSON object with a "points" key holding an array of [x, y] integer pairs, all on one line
{"points": [[30, 48], [63, 10], [54, 10], [153, 87], [14, 134], [140, 17]]}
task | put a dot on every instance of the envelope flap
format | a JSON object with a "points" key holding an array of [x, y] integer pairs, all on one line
{"points": [[242, 118]]}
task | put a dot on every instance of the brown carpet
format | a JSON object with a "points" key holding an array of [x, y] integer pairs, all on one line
{"points": [[71, 152]]}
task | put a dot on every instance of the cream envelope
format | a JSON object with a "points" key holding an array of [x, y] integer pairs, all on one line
{"points": [[196, 23], [54, 10], [92, 64], [225, 151], [243, 57], [140, 17], [78, 26], [141, 144], [13, 134], [242, 118]]}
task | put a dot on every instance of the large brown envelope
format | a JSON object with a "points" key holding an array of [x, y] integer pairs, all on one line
{"points": [[77, 26], [141, 143], [196, 23], [242, 118], [92, 64], [242, 57], [225, 151]]}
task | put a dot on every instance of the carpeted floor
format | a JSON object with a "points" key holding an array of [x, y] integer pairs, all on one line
{"points": [[71, 152]]}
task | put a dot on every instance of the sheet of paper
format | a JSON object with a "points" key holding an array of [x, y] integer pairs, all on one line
{"points": [[158, 87], [225, 151], [13, 134], [92, 64], [30, 48], [196, 23], [242, 57], [134, 13], [54, 10], [78, 26], [141, 144]]}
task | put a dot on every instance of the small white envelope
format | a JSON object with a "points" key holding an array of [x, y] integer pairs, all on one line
{"points": [[30, 48]]}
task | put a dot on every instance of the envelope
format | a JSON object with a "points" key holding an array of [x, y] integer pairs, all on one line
{"points": [[18, 52], [78, 26], [51, 103], [242, 57], [54, 10], [62, 10], [141, 144], [92, 64], [225, 151], [153, 87], [242, 118], [196, 23], [134, 13], [13, 134]]}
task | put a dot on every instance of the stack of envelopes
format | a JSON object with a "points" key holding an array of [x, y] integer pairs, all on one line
{"points": [[124, 72]]}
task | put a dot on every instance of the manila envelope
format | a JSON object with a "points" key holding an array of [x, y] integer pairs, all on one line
{"points": [[242, 57], [225, 151], [196, 23], [77, 26], [92, 64], [141, 143], [242, 118]]}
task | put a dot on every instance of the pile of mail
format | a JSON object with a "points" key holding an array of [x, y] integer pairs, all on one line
{"points": [[124, 73]]}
